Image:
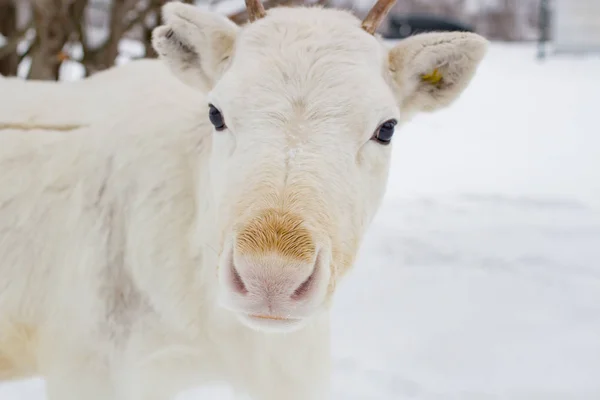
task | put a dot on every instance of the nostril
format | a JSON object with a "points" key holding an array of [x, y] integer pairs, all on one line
{"points": [[237, 281], [306, 286]]}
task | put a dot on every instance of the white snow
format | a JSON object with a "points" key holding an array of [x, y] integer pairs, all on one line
{"points": [[482, 270]]}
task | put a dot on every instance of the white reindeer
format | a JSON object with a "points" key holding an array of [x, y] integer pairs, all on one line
{"points": [[181, 234]]}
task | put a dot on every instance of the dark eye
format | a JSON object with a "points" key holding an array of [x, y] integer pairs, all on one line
{"points": [[384, 133], [216, 118]]}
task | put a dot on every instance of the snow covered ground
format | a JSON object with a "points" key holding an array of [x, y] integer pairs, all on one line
{"points": [[480, 278]]}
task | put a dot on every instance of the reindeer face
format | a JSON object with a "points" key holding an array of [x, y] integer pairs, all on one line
{"points": [[304, 105]]}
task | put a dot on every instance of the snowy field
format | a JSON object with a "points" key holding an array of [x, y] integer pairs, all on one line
{"points": [[480, 278]]}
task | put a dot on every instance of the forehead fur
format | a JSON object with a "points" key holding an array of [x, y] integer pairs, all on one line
{"points": [[305, 21], [310, 61]]}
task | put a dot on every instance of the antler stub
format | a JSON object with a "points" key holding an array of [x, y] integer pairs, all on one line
{"points": [[377, 14], [255, 10]]}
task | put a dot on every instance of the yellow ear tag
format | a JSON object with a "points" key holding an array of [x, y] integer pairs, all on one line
{"points": [[433, 77]]}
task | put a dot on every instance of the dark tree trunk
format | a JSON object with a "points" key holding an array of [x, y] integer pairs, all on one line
{"points": [[9, 62], [150, 52], [52, 27]]}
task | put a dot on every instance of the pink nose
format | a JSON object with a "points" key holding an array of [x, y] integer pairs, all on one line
{"points": [[273, 287], [273, 269]]}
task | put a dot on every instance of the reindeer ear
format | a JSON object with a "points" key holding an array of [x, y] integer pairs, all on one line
{"points": [[431, 70], [195, 44]]}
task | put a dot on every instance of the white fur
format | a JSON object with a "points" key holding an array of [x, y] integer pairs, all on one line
{"points": [[113, 232]]}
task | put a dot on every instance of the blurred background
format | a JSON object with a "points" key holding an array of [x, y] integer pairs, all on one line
{"points": [[69, 39]]}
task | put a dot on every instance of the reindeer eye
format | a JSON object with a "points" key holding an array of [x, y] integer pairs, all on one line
{"points": [[216, 118], [384, 133]]}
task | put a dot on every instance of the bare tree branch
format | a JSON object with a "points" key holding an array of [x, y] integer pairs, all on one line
{"points": [[9, 64], [78, 22], [153, 6], [51, 24], [104, 57], [13, 42], [26, 52]]}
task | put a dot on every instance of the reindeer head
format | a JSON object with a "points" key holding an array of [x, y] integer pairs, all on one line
{"points": [[304, 103]]}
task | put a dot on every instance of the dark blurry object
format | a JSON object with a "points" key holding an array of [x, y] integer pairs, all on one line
{"points": [[51, 21], [9, 60], [403, 26], [544, 29]]}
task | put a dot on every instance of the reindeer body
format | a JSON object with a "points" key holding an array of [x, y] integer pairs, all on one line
{"points": [[69, 304], [120, 277]]}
